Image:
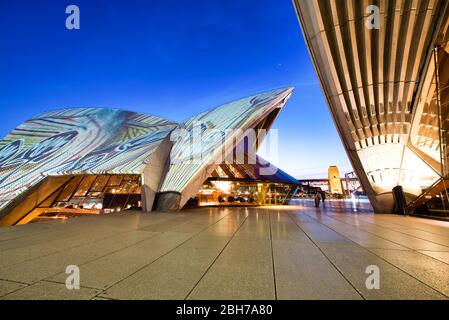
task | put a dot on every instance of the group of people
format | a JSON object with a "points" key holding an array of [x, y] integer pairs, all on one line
{"points": [[318, 197]]}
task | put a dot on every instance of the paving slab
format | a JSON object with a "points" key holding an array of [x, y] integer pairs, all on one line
{"points": [[244, 270], [7, 287], [174, 275], [40, 268], [430, 271], [363, 238], [274, 252], [399, 238], [353, 261], [421, 234], [51, 291], [304, 273], [106, 271], [51, 245], [441, 256], [321, 233]]}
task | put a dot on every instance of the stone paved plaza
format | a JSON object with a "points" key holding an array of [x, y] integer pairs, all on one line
{"points": [[294, 252]]}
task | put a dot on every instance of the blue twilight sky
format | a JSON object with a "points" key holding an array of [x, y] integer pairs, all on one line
{"points": [[171, 59]]}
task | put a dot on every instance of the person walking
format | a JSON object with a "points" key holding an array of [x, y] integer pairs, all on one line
{"points": [[317, 199], [323, 197]]}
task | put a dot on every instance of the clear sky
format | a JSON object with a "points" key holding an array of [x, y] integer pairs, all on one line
{"points": [[171, 59]]}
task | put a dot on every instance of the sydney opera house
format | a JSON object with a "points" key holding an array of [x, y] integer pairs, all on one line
{"points": [[383, 67], [106, 160]]}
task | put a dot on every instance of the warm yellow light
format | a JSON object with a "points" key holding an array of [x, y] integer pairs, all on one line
{"points": [[223, 186], [206, 191], [211, 203], [98, 206]]}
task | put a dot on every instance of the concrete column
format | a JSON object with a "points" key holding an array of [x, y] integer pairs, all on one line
{"points": [[154, 173], [168, 201]]}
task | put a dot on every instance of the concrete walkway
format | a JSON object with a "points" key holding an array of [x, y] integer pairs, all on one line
{"points": [[295, 252]]}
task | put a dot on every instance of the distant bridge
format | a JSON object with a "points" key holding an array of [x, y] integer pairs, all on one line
{"points": [[350, 183]]}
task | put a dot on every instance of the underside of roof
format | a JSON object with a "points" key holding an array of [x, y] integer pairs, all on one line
{"points": [[373, 78], [77, 141], [256, 169]]}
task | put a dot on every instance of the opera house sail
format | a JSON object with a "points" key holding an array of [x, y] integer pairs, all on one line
{"points": [[184, 176], [87, 160], [384, 72]]}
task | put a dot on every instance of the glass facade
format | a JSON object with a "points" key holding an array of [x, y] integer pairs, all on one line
{"points": [[248, 183], [219, 192], [429, 142]]}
